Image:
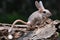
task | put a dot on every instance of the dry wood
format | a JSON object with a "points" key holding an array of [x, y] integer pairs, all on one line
{"points": [[2, 28], [22, 26]]}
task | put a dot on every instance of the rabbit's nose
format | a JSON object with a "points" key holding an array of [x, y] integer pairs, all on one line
{"points": [[49, 14]]}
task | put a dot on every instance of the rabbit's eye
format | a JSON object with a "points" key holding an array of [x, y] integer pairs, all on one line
{"points": [[44, 11]]}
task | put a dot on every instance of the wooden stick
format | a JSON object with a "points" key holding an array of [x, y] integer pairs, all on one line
{"points": [[1, 28], [22, 26]]}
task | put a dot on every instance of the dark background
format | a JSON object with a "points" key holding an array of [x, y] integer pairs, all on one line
{"points": [[11, 10]]}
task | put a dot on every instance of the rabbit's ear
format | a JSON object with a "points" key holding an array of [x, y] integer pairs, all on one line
{"points": [[41, 5], [37, 5]]}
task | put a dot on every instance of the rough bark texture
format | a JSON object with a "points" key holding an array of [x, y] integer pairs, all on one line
{"points": [[21, 32]]}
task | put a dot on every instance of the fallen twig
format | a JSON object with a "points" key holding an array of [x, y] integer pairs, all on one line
{"points": [[22, 26], [1, 28]]}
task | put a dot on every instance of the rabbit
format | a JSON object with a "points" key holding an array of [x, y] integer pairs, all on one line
{"points": [[36, 17], [39, 15]]}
